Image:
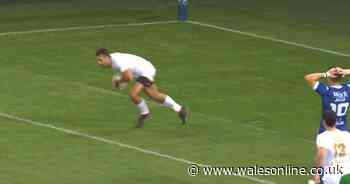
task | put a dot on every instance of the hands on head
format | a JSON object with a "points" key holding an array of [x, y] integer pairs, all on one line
{"points": [[336, 72]]}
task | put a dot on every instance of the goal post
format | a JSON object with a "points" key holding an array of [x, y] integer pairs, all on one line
{"points": [[182, 10]]}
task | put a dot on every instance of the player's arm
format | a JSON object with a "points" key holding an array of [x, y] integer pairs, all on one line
{"points": [[313, 78], [345, 71], [125, 77], [319, 161], [320, 156]]}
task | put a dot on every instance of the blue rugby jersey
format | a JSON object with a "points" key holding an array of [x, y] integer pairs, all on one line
{"points": [[337, 99]]}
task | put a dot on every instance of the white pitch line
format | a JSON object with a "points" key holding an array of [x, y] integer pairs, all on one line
{"points": [[117, 143], [86, 27], [269, 38]]}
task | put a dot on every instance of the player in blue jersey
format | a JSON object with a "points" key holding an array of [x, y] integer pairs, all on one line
{"points": [[335, 95]]}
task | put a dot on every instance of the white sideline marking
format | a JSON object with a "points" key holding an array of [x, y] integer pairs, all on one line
{"points": [[94, 88], [175, 21], [120, 144], [270, 38], [86, 27]]}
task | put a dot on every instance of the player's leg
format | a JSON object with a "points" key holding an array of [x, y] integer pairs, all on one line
{"points": [[140, 103], [153, 92], [164, 99]]}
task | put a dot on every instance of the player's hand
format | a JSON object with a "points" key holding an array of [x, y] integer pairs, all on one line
{"points": [[116, 81], [333, 72], [343, 72], [115, 84]]}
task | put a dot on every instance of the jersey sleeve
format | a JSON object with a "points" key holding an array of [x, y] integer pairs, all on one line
{"points": [[121, 66], [321, 142], [119, 62], [321, 88]]}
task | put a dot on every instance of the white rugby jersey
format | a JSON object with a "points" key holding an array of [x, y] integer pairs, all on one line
{"points": [[337, 143], [137, 65]]}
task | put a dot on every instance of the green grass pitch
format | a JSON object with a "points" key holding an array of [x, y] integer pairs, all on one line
{"points": [[249, 103]]}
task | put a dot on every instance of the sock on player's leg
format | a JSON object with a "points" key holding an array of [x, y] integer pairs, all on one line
{"points": [[143, 107], [170, 103]]}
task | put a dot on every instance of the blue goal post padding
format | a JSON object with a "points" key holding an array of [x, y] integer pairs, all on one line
{"points": [[182, 11]]}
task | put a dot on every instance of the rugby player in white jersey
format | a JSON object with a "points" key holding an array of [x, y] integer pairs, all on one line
{"points": [[136, 68], [333, 152]]}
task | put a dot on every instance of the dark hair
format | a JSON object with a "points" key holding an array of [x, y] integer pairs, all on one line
{"points": [[102, 51], [330, 118], [333, 66]]}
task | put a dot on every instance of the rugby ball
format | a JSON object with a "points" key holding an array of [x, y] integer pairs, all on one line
{"points": [[122, 85]]}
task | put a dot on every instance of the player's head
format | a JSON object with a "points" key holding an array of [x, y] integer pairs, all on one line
{"points": [[338, 79], [103, 57], [330, 119]]}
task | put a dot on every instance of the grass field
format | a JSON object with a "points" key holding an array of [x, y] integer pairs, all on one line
{"points": [[249, 103]]}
